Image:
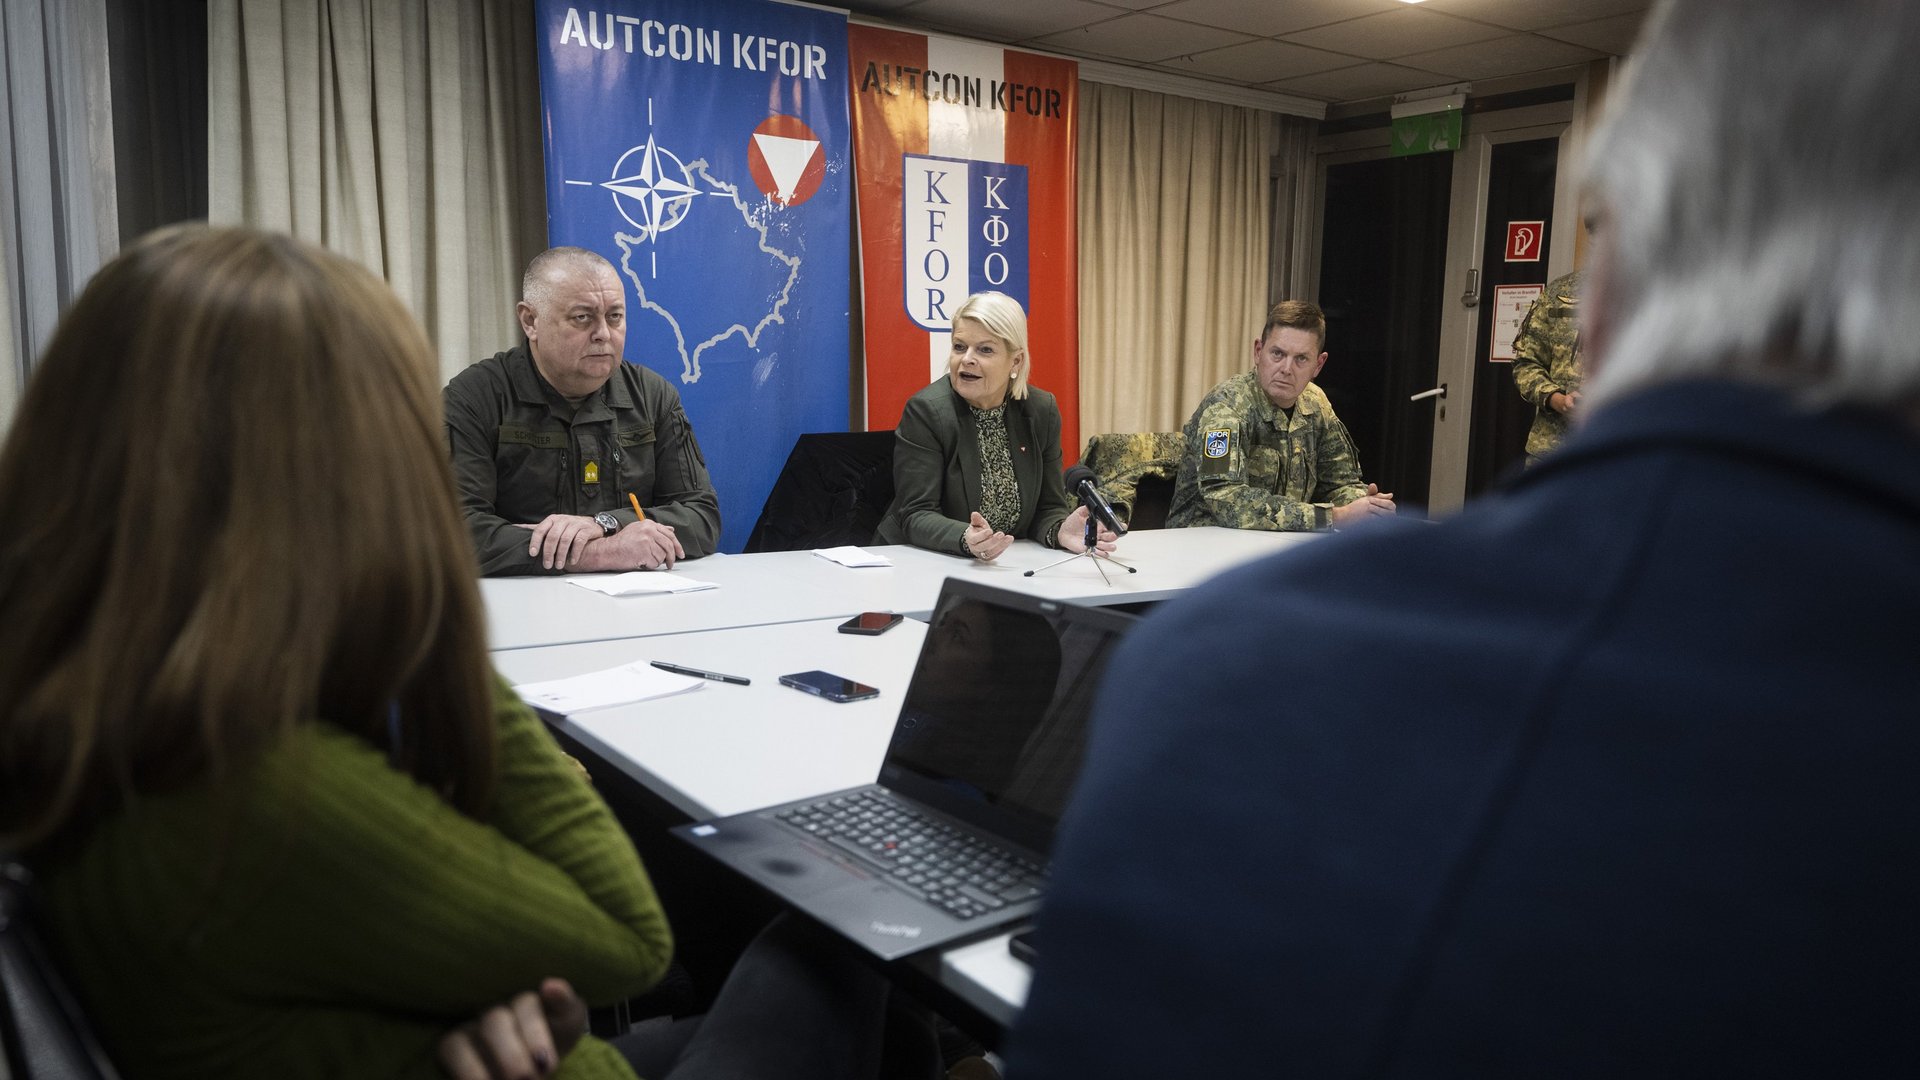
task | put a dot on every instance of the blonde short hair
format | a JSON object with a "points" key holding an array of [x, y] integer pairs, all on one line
{"points": [[1003, 317]]}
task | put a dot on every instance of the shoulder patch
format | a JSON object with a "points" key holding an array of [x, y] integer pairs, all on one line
{"points": [[1218, 442]]}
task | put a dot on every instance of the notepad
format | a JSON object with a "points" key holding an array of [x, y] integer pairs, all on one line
{"points": [[623, 685], [641, 583], [852, 556]]}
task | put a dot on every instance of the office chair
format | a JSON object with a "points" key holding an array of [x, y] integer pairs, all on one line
{"points": [[1135, 471], [46, 1036], [832, 492]]}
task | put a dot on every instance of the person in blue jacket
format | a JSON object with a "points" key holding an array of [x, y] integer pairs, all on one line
{"points": [[1622, 780]]}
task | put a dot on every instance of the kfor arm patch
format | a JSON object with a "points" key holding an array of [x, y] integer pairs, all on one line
{"points": [[1215, 450]]}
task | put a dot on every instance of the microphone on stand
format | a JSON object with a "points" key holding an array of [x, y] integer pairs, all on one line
{"points": [[1080, 482], [1080, 479]]}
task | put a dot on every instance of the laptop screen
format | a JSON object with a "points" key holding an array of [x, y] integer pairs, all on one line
{"points": [[994, 723]]}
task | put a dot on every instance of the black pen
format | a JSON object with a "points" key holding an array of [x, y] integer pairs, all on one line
{"points": [[698, 674]]}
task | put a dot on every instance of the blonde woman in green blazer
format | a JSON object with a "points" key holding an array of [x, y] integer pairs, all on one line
{"points": [[976, 457]]}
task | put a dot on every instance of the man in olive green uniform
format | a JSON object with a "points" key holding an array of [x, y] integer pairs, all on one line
{"points": [[1546, 362], [553, 441], [1264, 449]]}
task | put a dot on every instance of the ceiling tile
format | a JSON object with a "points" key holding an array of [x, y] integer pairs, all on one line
{"points": [[1358, 83], [1271, 19], [1535, 14], [1008, 22], [1509, 55], [1391, 34], [1142, 37], [1219, 40], [1257, 61], [1615, 36]]}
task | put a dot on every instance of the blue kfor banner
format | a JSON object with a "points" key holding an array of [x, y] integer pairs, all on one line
{"points": [[702, 148], [949, 255]]}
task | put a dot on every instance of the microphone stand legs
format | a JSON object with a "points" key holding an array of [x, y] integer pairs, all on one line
{"points": [[1092, 536]]}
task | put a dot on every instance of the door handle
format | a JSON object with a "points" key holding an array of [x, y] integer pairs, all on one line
{"points": [[1471, 298], [1437, 392]]}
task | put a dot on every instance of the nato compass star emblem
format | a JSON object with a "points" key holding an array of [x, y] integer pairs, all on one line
{"points": [[652, 188], [657, 190]]}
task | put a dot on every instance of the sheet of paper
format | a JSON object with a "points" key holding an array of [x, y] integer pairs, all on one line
{"points": [[1510, 304], [624, 685], [641, 583], [853, 556]]}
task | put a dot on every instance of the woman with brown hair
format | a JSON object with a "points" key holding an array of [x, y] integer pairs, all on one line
{"points": [[285, 820]]}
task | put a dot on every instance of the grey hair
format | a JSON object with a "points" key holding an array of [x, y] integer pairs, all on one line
{"points": [[1005, 319], [1755, 211], [536, 285]]}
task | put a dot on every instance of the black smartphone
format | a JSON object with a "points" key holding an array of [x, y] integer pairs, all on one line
{"points": [[871, 622], [1021, 945], [831, 687]]}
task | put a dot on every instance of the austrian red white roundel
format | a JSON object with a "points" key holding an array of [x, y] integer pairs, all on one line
{"points": [[786, 159]]}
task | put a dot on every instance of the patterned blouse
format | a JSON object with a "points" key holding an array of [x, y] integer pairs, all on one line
{"points": [[999, 489]]}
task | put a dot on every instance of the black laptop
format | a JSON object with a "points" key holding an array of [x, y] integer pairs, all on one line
{"points": [[952, 841]]}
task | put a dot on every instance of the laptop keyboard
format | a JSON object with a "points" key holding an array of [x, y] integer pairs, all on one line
{"points": [[945, 866]]}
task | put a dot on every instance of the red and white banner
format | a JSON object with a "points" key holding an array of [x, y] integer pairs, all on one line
{"points": [[965, 159]]}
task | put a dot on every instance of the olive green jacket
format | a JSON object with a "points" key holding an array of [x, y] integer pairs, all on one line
{"points": [[326, 915], [936, 469], [521, 452]]}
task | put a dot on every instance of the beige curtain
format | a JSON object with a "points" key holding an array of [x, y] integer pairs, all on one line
{"points": [[59, 219], [1174, 243], [1293, 200], [9, 362], [403, 133]]}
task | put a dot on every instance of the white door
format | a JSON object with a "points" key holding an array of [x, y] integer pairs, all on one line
{"points": [[1467, 299]]}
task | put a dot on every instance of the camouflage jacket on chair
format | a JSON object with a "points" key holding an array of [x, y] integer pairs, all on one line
{"points": [[1120, 461]]}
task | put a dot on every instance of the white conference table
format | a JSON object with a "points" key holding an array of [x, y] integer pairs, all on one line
{"points": [[791, 586], [725, 749]]}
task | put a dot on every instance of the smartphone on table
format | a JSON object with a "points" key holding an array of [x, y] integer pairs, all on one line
{"points": [[871, 622], [829, 686]]}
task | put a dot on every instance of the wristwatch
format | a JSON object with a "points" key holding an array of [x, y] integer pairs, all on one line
{"points": [[607, 522]]}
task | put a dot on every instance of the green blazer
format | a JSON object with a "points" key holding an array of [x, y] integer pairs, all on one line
{"points": [[936, 469]]}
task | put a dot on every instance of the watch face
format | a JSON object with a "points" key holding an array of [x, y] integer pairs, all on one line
{"points": [[607, 522]]}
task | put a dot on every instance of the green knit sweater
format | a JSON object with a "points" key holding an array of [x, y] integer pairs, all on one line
{"points": [[327, 916]]}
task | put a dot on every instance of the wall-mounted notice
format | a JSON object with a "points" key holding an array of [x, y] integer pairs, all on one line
{"points": [[1510, 304]]}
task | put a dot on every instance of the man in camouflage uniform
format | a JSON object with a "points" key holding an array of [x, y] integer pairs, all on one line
{"points": [[1546, 362], [1264, 449]]}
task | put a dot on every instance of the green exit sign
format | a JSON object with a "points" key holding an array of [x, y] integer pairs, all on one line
{"points": [[1427, 133]]}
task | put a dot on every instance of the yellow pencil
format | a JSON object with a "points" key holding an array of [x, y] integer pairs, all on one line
{"points": [[638, 514]]}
